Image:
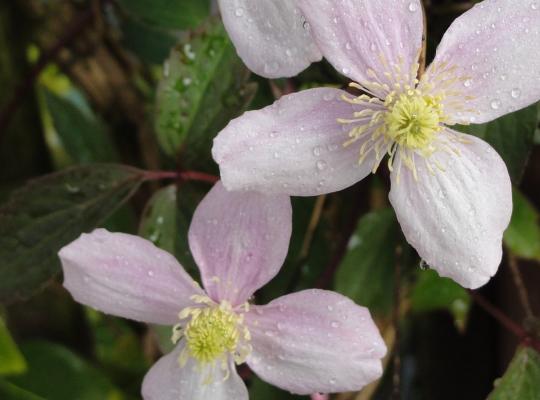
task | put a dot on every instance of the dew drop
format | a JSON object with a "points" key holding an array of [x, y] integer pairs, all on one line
{"points": [[150, 273], [321, 165], [467, 83], [495, 104], [317, 151], [515, 93], [239, 12], [334, 324], [413, 7]]}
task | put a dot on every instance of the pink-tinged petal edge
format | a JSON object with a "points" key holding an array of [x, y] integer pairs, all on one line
{"points": [[455, 218], [239, 241], [166, 380], [495, 49], [295, 146], [315, 341], [357, 35], [270, 36], [126, 276]]}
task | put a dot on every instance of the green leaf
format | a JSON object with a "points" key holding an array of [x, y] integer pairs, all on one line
{"points": [[83, 135], [173, 14], [204, 86], [366, 274], [432, 292], [521, 380], [260, 390], [9, 391], [56, 373], [12, 361], [158, 223], [48, 213], [523, 234], [511, 135]]}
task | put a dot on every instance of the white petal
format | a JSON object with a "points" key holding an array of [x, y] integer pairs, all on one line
{"points": [[356, 35], [495, 49], [270, 36], [166, 380], [127, 276], [239, 241], [315, 341], [455, 218], [295, 146]]}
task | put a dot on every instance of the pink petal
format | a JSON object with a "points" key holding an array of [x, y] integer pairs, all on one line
{"points": [[495, 48], [166, 380], [455, 218], [127, 276], [295, 146], [315, 341], [355, 35], [269, 36], [239, 240]]}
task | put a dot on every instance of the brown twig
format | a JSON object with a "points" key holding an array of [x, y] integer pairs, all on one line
{"points": [[78, 25]]}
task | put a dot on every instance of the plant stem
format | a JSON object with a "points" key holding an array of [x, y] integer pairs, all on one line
{"points": [[184, 175], [520, 286]]}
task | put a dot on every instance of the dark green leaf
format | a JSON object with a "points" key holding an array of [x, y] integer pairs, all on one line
{"points": [[83, 134], [203, 88], [9, 391], [523, 234], [150, 44], [50, 212], [366, 273], [56, 373], [12, 361], [433, 292], [158, 223], [260, 390], [521, 380], [172, 14], [511, 135]]}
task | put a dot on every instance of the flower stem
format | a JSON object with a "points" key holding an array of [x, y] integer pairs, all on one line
{"points": [[520, 286], [184, 176]]}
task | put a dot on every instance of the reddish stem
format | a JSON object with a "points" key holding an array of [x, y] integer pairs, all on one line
{"points": [[184, 175], [525, 337]]}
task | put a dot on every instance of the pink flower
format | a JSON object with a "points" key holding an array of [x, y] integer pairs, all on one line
{"points": [[272, 37], [451, 191], [305, 342]]}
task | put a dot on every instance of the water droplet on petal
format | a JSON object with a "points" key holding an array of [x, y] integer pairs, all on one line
{"points": [[515, 93], [413, 7], [321, 165], [495, 104], [467, 83], [239, 12]]}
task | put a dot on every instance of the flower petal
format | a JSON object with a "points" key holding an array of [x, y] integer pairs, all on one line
{"points": [[357, 35], [269, 36], [239, 240], [166, 380], [295, 146], [127, 276], [495, 50], [315, 341], [455, 218]]}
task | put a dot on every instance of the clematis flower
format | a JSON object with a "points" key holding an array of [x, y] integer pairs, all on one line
{"points": [[272, 37], [305, 342], [451, 191]]}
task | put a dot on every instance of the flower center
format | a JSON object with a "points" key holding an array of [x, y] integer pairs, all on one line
{"points": [[413, 120], [213, 333]]}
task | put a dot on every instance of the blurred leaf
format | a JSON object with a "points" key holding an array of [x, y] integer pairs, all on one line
{"points": [[58, 374], [432, 292], [158, 223], [9, 391], [150, 44], [163, 335], [521, 381], [83, 135], [523, 234], [260, 390], [511, 135], [172, 14], [11, 360], [203, 88], [49, 212], [118, 348], [366, 274]]}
